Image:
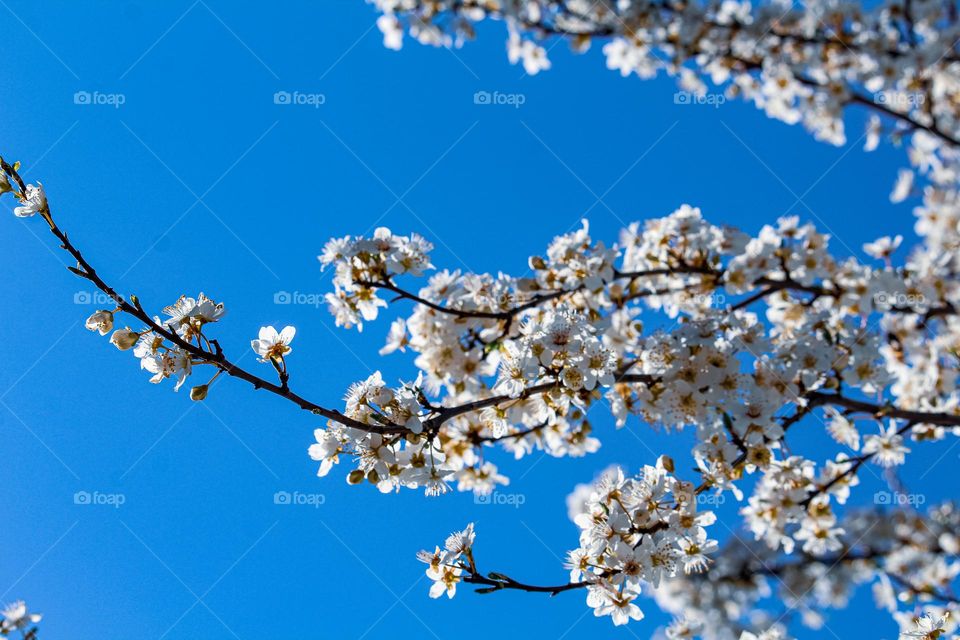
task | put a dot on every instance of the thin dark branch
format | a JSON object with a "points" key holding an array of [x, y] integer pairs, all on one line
{"points": [[817, 398]]}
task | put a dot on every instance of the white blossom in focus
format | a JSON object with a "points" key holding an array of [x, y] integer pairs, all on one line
{"points": [[273, 345]]}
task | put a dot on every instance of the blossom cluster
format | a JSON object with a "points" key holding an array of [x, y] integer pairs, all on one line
{"points": [[637, 530], [530, 354], [453, 348], [186, 320], [907, 558], [164, 348], [802, 64], [360, 261], [446, 566], [517, 363], [562, 343], [388, 460], [785, 496], [634, 531], [574, 261]]}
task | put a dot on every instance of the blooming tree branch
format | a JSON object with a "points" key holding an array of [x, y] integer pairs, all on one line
{"points": [[807, 64], [770, 333], [518, 363], [899, 550], [172, 347]]}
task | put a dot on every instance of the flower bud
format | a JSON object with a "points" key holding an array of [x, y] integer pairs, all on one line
{"points": [[101, 321], [537, 263], [199, 392], [355, 477], [667, 463], [124, 339], [4, 183]]}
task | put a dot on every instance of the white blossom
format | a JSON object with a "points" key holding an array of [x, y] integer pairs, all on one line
{"points": [[273, 345], [32, 202]]}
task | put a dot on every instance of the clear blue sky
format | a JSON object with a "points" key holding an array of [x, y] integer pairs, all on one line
{"points": [[199, 182]]}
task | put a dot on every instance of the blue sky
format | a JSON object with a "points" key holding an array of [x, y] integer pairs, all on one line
{"points": [[200, 182]]}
